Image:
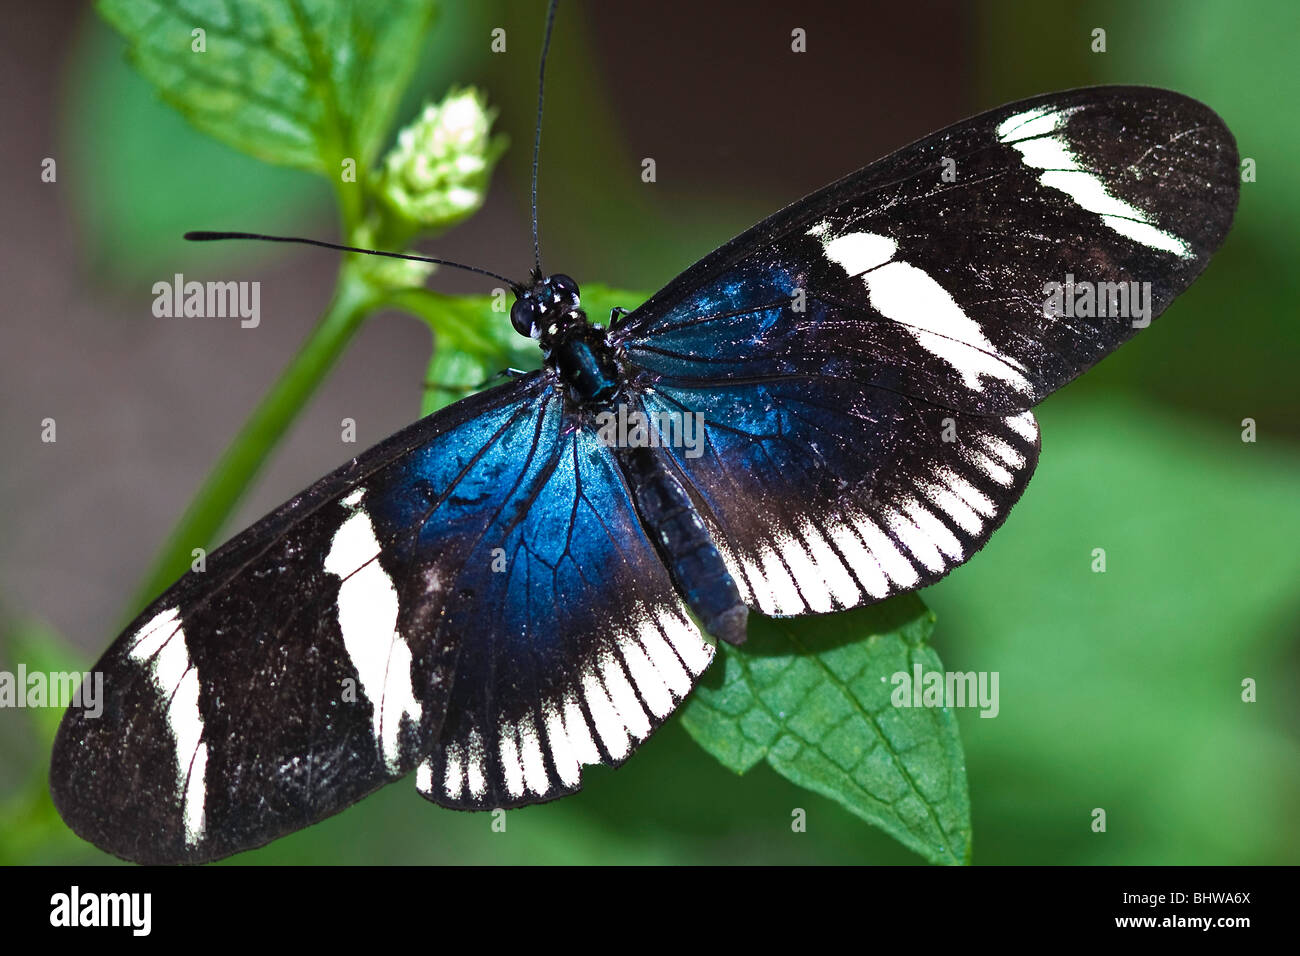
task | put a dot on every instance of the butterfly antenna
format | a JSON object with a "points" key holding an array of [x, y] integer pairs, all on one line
{"points": [[202, 236], [537, 133]]}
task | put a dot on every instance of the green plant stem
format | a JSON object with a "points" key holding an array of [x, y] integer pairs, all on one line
{"points": [[221, 492]]}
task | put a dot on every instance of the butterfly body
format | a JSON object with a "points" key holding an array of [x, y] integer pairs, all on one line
{"points": [[500, 595], [595, 375], [586, 363], [684, 545]]}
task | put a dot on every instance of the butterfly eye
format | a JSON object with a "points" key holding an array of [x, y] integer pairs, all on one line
{"points": [[523, 314], [564, 288]]}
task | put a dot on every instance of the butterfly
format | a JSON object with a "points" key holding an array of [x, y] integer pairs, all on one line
{"points": [[832, 408]]}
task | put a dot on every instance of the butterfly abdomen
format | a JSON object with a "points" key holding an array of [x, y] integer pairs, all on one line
{"points": [[684, 545]]}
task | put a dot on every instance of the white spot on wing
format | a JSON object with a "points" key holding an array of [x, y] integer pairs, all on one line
{"points": [[536, 778], [838, 580], [967, 492], [918, 545], [911, 297], [859, 252], [663, 658], [938, 532], [454, 779], [578, 732], [424, 778], [991, 468], [808, 578], [1001, 449], [609, 726], [951, 504], [864, 565], [512, 767], [1023, 425], [1030, 134], [195, 789], [367, 616], [474, 755], [648, 681], [1039, 121], [899, 569], [696, 653], [160, 647], [563, 753], [784, 593], [764, 593], [158, 631], [622, 696]]}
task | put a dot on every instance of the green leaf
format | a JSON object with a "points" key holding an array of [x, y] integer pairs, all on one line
{"points": [[472, 343], [145, 175], [302, 83], [452, 376], [812, 697]]}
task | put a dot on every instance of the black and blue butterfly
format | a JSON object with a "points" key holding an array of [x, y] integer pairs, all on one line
{"points": [[512, 596]]}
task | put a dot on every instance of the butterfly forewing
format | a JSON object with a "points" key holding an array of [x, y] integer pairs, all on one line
{"points": [[276, 686], [931, 271]]}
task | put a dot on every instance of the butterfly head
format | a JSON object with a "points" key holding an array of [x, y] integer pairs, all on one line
{"points": [[574, 348], [547, 309]]}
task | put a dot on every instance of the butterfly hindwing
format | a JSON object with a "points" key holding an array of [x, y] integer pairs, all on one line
{"points": [[938, 286], [576, 645], [825, 495]]}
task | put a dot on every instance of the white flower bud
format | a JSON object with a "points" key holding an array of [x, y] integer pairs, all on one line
{"points": [[437, 173]]}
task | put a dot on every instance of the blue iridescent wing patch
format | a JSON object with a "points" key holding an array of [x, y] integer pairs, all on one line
{"points": [[575, 646]]}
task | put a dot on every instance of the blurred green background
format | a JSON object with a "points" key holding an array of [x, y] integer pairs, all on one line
{"points": [[1119, 690]]}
